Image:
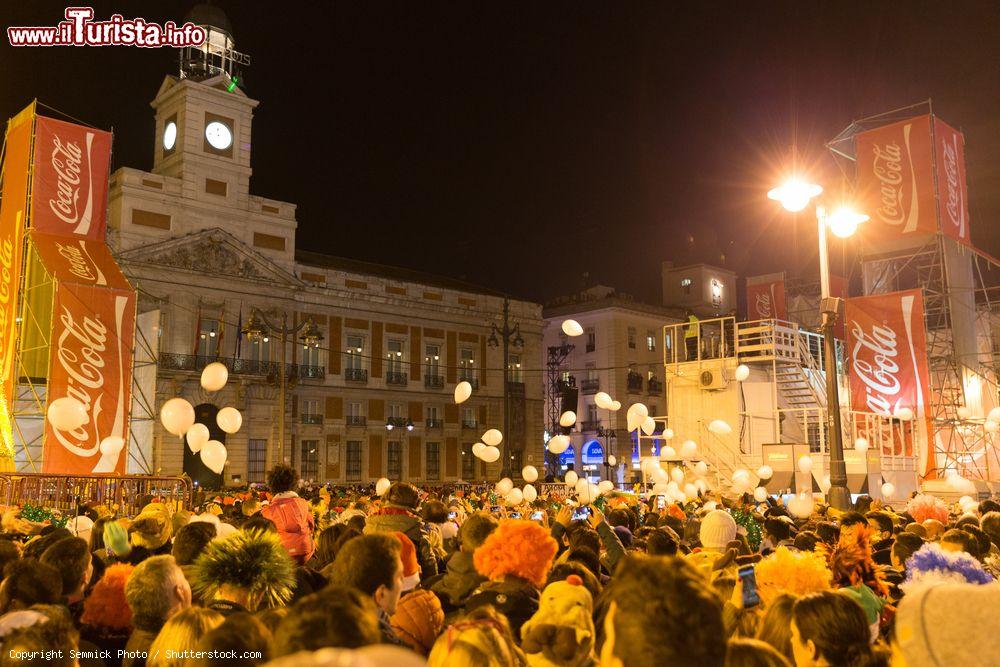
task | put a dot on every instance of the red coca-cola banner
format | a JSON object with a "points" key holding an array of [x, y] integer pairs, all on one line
{"points": [[69, 192], [887, 354], [766, 297], [896, 179], [91, 361], [79, 260], [953, 195]]}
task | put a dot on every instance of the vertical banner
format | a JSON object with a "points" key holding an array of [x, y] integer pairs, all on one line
{"points": [[953, 194], [896, 180], [766, 297], [91, 361], [887, 348], [69, 192]]}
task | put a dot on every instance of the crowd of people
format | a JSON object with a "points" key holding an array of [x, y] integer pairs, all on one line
{"points": [[294, 576]]}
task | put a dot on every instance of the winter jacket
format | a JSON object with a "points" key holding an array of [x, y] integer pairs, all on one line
{"points": [[294, 521], [394, 519], [458, 582], [389, 635], [418, 620], [515, 598]]}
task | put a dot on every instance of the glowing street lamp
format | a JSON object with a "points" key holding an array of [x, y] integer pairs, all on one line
{"points": [[795, 194], [844, 222]]}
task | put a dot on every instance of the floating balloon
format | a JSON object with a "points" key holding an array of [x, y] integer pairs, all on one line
{"points": [[214, 455], [493, 437], [615, 406], [606, 486], [490, 455], [572, 328], [660, 489], [668, 453], [111, 445], [504, 486], [571, 478], [765, 472], [741, 473], [701, 468], [991, 426], [719, 427], [861, 444], [961, 484], [964, 412], [515, 497], [824, 484], [567, 419], [677, 475], [639, 409], [382, 486], [994, 415], [177, 416], [69, 414], [529, 473], [801, 506], [581, 485], [740, 486], [477, 450], [197, 436], [463, 390], [689, 449], [558, 444], [888, 490], [742, 372], [530, 493], [229, 420], [659, 474], [589, 494], [760, 494], [805, 463], [214, 376], [648, 426], [904, 414], [612, 461], [603, 400], [691, 490], [668, 433]]}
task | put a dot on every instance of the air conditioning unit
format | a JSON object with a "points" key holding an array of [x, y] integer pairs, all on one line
{"points": [[712, 380]]}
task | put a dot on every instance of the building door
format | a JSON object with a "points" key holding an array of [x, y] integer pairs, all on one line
{"points": [[395, 461]]}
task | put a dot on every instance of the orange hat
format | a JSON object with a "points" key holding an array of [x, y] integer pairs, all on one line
{"points": [[411, 568]]}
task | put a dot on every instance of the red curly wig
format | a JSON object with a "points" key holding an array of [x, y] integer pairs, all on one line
{"points": [[106, 607], [516, 548]]}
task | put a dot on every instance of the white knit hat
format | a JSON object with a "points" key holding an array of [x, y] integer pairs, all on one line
{"points": [[718, 529]]}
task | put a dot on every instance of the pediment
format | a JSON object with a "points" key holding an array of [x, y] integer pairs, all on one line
{"points": [[211, 252]]}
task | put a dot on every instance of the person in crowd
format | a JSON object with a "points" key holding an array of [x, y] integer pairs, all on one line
{"points": [[28, 582], [460, 577], [50, 641], [149, 533], [742, 652], [337, 616], [72, 559], [240, 634], [181, 633], [830, 630], [662, 542], [778, 532], [107, 619], [563, 571], [717, 530], [483, 638], [956, 539], [398, 515], [372, 564], [8, 553], [189, 542], [155, 591], [290, 513], [329, 542], [775, 627]]}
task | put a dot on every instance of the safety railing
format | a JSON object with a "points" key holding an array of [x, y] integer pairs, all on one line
{"points": [[66, 492]]}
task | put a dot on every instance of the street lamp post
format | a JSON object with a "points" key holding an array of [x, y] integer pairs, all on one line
{"points": [[609, 441], [506, 336], [259, 327], [795, 196]]}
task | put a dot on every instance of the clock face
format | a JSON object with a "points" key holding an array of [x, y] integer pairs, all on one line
{"points": [[218, 135], [170, 135]]}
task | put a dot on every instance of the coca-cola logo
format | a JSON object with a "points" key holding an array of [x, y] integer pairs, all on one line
{"points": [[874, 363], [888, 165], [80, 350], [70, 164], [955, 206], [7, 287], [79, 262], [763, 304]]}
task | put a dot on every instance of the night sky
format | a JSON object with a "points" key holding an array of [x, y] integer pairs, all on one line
{"points": [[519, 145]]}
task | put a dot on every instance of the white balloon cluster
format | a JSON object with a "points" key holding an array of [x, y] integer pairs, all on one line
{"points": [[604, 401], [487, 450]]}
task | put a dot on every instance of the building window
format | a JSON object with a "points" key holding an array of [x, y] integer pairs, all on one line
{"points": [[592, 373], [631, 338], [309, 468], [592, 413], [256, 460], [469, 417], [395, 410], [354, 409], [651, 340], [433, 460], [355, 352], [716, 292], [467, 366], [514, 369], [394, 469], [208, 337], [260, 349], [310, 355], [353, 460], [468, 463], [686, 285], [565, 377], [591, 340], [395, 356], [432, 359]]}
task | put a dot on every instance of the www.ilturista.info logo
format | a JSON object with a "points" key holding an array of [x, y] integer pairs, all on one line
{"points": [[79, 29]]}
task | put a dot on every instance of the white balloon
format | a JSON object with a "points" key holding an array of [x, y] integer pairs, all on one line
{"points": [[861, 444], [701, 468], [824, 484], [690, 490], [590, 494], [493, 437], [603, 400], [648, 426], [382, 486], [668, 433], [515, 497], [581, 485], [214, 455], [606, 486], [702, 486], [719, 427], [668, 453], [633, 421], [214, 376], [660, 475], [888, 490], [994, 415], [639, 409], [490, 455], [742, 372], [689, 449], [612, 461], [558, 444], [805, 463], [741, 473], [111, 445], [463, 390], [615, 406], [68, 414], [801, 506], [904, 414], [760, 494], [961, 484], [964, 412], [571, 478], [991, 426], [177, 416], [572, 328], [229, 420], [530, 493], [197, 436], [660, 489], [765, 472], [567, 418], [741, 486], [677, 475], [529, 473], [504, 486], [477, 450]]}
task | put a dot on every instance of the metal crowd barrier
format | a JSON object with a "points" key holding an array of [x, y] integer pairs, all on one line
{"points": [[65, 492]]}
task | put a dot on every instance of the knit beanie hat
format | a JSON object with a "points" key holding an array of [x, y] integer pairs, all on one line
{"points": [[419, 620], [718, 529], [80, 526], [411, 568], [949, 624], [151, 528]]}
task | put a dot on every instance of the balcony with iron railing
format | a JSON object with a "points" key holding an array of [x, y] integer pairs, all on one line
{"points": [[356, 375], [471, 379], [397, 422], [356, 420], [589, 426], [470, 425], [195, 363], [396, 378], [434, 381], [434, 423], [310, 419], [634, 383], [590, 386]]}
